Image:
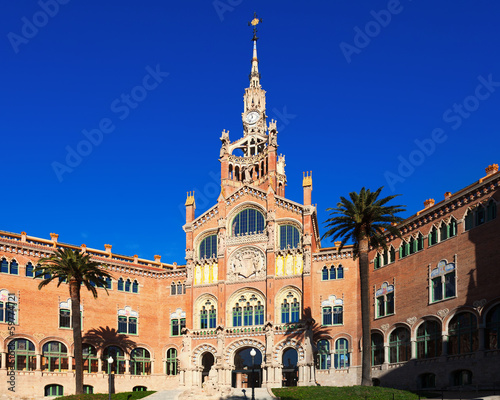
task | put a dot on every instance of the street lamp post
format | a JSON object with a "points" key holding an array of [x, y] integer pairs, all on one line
{"points": [[110, 386], [253, 353]]}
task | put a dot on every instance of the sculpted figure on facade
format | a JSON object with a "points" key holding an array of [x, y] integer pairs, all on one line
{"points": [[307, 261], [270, 236], [225, 143], [184, 357]]}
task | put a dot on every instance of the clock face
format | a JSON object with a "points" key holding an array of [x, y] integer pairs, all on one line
{"points": [[252, 117]]}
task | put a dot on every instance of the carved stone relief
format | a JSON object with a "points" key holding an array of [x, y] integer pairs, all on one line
{"points": [[246, 263]]}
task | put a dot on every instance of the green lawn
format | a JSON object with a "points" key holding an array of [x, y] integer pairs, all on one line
{"points": [[105, 396], [343, 393]]}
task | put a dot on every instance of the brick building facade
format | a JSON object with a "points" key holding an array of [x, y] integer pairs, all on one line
{"points": [[256, 277]]}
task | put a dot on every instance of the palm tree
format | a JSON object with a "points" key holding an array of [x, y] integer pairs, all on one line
{"points": [[75, 269], [365, 221]]}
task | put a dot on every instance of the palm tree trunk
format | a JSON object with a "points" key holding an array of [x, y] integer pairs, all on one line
{"points": [[74, 291], [366, 368]]}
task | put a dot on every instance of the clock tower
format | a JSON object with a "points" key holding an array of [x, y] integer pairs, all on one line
{"points": [[252, 159]]}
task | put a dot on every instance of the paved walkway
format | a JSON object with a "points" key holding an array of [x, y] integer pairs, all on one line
{"points": [[238, 394], [165, 395]]}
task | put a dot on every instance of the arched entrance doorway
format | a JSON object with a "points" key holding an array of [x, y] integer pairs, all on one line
{"points": [[245, 372], [290, 369], [207, 360]]}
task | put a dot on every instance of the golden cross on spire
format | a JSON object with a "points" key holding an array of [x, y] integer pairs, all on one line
{"points": [[254, 22]]}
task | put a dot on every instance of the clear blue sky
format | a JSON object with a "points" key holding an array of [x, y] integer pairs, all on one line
{"points": [[350, 106]]}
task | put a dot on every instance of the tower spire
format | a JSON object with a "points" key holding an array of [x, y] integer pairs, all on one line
{"points": [[254, 74]]}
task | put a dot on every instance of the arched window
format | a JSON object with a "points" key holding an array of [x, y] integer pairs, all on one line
{"points": [[120, 284], [118, 364], [135, 287], [237, 315], [493, 328], [173, 290], [208, 247], [259, 314], [377, 261], [384, 300], [469, 220], [140, 362], [285, 312], [404, 250], [90, 360], [412, 245], [420, 242], [443, 232], [212, 317], [429, 340], [30, 270], [324, 275], [377, 349], [127, 285], [248, 222], [341, 357], [333, 274], [139, 388], [392, 254], [4, 266], [203, 318], [289, 237], [433, 236], [452, 227], [14, 268], [21, 355], [443, 281], [340, 272], [323, 360], [462, 334], [480, 215], [53, 390], [172, 361], [399, 345], [54, 357], [248, 315]]}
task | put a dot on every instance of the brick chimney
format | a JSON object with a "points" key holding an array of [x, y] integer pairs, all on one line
{"points": [[157, 258], [307, 184], [108, 247], [429, 203], [190, 207], [491, 169], [447, 195]]}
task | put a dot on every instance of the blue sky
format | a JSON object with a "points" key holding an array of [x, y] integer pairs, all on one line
{"points": [[402, 94]]}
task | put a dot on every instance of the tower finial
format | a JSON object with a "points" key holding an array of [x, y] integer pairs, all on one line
{"points": [[254, 74]]}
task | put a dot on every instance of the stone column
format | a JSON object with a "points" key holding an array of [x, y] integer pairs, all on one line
{"points": [[413, 347], [444, 351], [481, 332], [4, 360], [386, 356], [127, 367], [99, 365], [70, 363], [38, 362]]}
